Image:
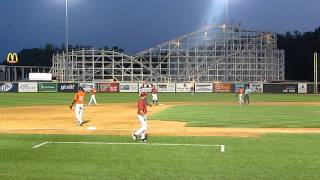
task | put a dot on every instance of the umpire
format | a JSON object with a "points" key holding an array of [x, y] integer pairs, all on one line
{"points": [[246, 98]]}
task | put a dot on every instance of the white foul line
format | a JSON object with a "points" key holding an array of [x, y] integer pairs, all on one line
{"points": [[222, 147], [36, 146]]}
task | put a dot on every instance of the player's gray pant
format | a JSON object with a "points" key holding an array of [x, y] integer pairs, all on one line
{"points": [[142, 131], [246, 99]]}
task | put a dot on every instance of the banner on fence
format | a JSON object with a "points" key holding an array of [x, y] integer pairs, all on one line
{"points": [[302, 88], [128, 87], [67, 87], [203, 87], [166, 87], [184, 87], [256, 87], [87, 86], [222, 87], [146, 86], [108, 87], [28, 87], [47, 87], [8, 87], [237, 86], [289, 88]]}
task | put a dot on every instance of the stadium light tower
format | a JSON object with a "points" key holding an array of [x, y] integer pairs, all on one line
{"points": [[67, 38], [227, 9]]}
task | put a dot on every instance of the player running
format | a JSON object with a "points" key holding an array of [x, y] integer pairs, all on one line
{"points": [[93, 92], [79, 108], [154, 92], [142, 117]]}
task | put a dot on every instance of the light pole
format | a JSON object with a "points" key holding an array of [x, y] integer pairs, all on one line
{"points": [[67, 42], [227, 9]]}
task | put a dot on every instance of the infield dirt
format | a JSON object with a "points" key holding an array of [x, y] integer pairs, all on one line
{"points": [[120, 119]]}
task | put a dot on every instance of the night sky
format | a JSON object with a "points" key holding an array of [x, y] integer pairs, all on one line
{"points": [[135, 25]]}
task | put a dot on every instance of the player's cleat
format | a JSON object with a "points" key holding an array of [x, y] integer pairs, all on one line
{"points": [[80, 123], [134, 137], [145, 139]]}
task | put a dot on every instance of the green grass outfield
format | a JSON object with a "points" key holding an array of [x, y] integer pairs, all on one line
{"points": [[243, 116], [272, 156], [25, 99], [268, 157]]}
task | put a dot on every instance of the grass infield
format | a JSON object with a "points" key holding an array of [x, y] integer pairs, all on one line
{"points": [[268, 157], [243, 116], [25, 99]]}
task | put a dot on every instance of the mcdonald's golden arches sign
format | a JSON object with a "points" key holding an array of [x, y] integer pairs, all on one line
{"points": [[12, 58]]}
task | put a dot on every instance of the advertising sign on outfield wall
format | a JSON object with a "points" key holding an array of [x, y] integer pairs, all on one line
{"points": [[222, 87], [87, 86], [184, 87], [108, 87], [256, 87], [289, 88], [128, 87], [8, 87], [48, 87], [67, 87], [302, 88], [28, 87], [146, 86], [166, 87], [203, 87], [237, 86]]}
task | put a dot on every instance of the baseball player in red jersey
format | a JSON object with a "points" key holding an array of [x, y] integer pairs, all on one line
{"points": [[93, 96], [154, 92], [241, 91], [142, 92], [142, 117], [79, 108]]}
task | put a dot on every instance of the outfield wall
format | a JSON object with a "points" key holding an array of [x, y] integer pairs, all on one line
{"points": [[116, 87]]}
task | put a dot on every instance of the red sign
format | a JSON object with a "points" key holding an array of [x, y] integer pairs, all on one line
{"points": [[108, 87], [222, 87]]}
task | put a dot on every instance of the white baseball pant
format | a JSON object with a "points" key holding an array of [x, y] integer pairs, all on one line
{"points": [[79, 112], [93, 98], [241, 99], [154, 97], [142, 131]]}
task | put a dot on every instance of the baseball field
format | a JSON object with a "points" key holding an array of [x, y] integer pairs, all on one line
{"points": [[205, 136]]}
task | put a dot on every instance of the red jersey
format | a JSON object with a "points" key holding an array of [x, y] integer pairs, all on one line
{"points": [[154, 90], [241, 91], [79, 97], [142, 107], [93, 91]]}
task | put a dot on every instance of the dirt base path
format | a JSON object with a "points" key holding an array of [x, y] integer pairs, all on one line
{"points": [[118, 119]]}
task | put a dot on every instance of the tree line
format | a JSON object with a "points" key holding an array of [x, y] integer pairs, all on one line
{"points": [[299, 48]]}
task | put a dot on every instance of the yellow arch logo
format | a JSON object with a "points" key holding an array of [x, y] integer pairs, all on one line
{"points": [[12, 58]]}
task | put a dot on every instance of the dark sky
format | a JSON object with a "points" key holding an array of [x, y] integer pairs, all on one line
{"points": [[139, 24]]}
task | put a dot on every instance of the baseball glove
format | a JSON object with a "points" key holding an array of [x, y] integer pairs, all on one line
{"points": [[70, 106]]}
